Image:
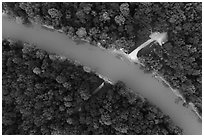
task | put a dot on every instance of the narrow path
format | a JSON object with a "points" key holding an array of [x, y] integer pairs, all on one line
{"points": [[107, 64]]}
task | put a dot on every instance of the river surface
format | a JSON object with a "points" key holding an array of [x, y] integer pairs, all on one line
{"points": [[113, 67]]}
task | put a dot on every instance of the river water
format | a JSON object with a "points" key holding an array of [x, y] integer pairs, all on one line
{"points": [[110, 65]]}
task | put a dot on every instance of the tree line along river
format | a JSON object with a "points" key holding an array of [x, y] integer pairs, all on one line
{"points": [[109, 65]]}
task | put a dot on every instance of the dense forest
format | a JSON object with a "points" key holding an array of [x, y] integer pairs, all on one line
{"points": [[47, 94], [41, 92]]}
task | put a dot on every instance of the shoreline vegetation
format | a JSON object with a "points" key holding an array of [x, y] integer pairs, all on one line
{"points": [[127, 25], [12, 32], [117, 101], [161, 61], [160, 38]]}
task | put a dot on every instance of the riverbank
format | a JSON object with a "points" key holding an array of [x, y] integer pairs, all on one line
{"points": [[70, 99], [108, 65], [126, 26]]}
